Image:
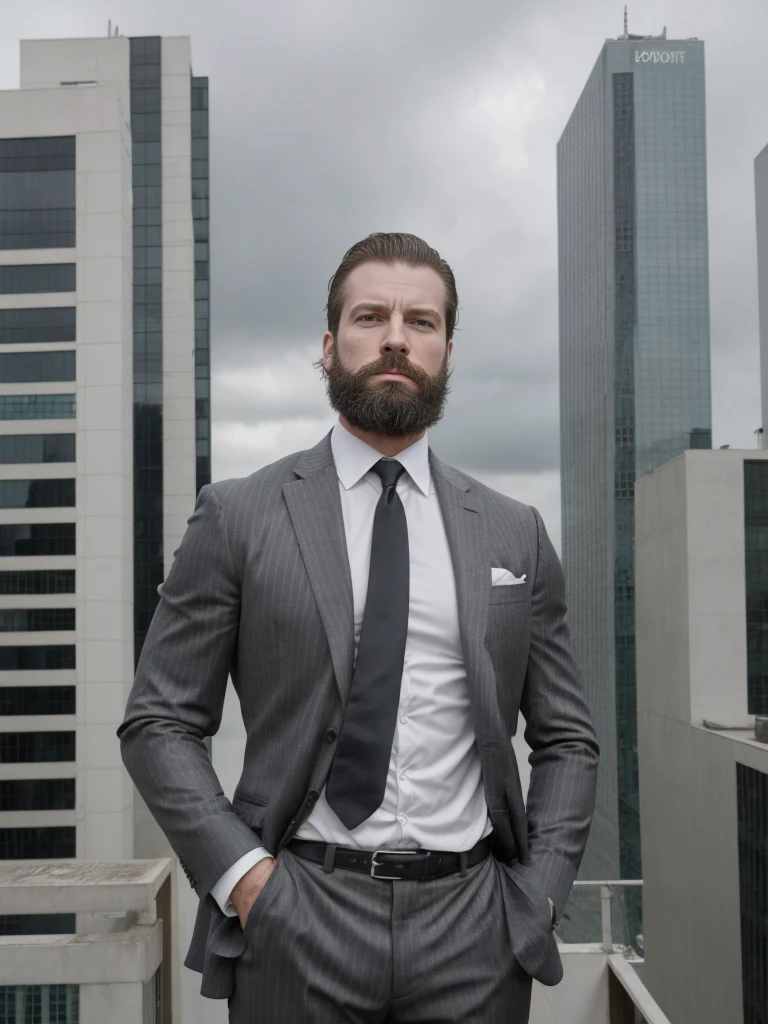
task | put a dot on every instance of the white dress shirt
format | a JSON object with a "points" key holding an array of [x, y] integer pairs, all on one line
{"points": [[434, 797]]}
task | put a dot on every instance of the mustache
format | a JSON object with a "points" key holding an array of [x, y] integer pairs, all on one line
{"points": [[393, 363]]}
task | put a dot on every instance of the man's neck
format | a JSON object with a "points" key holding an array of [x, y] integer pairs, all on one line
{"points": [[387, 444]]}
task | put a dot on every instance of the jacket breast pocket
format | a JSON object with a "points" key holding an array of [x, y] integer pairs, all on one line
{"points": [[511, 593]]}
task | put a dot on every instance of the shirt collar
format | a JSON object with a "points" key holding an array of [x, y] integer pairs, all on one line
{"points": [[354, 458]]}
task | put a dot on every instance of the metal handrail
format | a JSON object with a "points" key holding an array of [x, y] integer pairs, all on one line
{"points": [[606, 895]]}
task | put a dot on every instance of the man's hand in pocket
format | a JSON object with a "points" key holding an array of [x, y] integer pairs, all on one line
{"points": [[247, 890]]}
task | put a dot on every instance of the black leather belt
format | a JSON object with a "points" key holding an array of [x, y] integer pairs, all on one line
{"points": [[394, 865]]}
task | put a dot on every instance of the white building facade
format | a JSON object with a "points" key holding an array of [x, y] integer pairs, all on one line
{"points": [[702, 687], [761, 204], [104, 426]]}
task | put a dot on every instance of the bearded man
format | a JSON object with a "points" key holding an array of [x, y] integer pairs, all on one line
{"points": [[384, 618]]}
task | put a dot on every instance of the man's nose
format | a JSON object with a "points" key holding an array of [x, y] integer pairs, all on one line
{"points": [[395, 338]]}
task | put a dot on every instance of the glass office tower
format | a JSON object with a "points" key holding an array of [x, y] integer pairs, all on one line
{"points": [[634, 368]]}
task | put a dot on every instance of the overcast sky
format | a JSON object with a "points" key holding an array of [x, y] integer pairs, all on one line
{"points": [[334, 118]]}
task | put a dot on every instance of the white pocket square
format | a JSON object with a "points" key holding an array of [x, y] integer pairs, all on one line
{"points": [[505, 578]]}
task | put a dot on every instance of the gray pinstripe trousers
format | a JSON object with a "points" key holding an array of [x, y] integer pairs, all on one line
{"points": [[327, 948]]}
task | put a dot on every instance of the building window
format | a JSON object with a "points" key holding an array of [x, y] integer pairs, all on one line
{"points": [[40, 1004], [18, 540], [36, 620], [153, 998], [42, 323], [57, 493], [16, 448], [700, 437], [38, 581], [23, 367], [756, 578], [37, 795], [200, 215], [37, 657], [37, 278], [149, 570], [34, 924], [37, 407], [36, 748], [752, 810], [37, 700], [37, 193]]}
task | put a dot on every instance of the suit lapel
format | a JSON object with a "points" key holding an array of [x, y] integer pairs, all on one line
{"points": [[465, 528], [314, 506]]}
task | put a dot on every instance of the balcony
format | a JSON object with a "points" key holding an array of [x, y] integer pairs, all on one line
{"points": [[602, 981]]}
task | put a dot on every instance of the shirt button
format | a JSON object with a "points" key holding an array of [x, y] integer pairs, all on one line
{"points": [[402, 818], [403, 719]]}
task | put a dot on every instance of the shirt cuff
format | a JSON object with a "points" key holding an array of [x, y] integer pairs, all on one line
{"points": [[222, 891]]}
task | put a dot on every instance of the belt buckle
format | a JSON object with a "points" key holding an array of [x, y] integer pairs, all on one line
{"points": [[377, 864]]}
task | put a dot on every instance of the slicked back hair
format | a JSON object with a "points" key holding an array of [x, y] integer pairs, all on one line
{"points": [[392, 247]]}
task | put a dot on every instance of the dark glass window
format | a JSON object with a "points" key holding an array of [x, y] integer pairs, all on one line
{"points": [[200, 214], [701, 437], [37, 795], [752, 804], [20, 367], [756, 576], [39, 620], [18, 539], [37, 747], [37, 278], [37, 448], [37, 843], [37, 581], [37, 700], [44, 323], [38, 407], [37, 193], [147, 331], [58, 493], [32, 924], [37, 657]]}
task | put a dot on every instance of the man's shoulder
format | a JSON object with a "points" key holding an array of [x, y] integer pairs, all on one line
{"points": [[260, 484], [494, 502]]}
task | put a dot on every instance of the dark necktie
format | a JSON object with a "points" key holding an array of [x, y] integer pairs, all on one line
{"points": [[358, 775]]}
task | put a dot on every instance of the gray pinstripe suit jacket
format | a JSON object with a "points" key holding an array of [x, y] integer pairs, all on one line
{"points": [[260, 588]]}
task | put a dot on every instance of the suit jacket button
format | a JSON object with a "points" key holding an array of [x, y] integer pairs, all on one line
{"points": [[331, 736]]}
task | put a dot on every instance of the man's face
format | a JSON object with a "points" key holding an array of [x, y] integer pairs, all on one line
{"points": [[387, 369]]}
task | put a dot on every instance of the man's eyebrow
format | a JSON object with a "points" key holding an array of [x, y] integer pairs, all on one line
{"points": [[383, 307]]}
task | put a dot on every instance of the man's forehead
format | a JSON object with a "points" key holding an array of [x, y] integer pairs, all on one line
{"points": [[383, 282]]}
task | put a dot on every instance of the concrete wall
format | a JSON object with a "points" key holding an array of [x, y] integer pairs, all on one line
{"points": [[691, 667]]}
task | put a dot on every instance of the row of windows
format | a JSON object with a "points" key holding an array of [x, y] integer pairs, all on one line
{"points": [[46, 323], [58, 493], [36, 620], [37, 278], [40, 1004], [37, 407], [36, 748], [38, 581], [40, 657], [15, 448], [37, 794], [21, 539], [37, 843], [26, 367], [55, 153], [37, 700], [37, 229]]}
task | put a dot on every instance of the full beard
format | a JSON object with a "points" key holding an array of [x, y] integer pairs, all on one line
{"points": [[389, 407]]}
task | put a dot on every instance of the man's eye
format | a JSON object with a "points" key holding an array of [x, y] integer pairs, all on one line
{"points": [[368, 316], [425, 323]]}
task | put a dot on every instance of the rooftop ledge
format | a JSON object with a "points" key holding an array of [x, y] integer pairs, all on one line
{"points": [[82, 886]]}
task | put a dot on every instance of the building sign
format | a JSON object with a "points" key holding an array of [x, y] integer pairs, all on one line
{"points": [[659, 56]]}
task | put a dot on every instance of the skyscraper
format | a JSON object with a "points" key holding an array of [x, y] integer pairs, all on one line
{"points": [[104, 418], [634, 366], [761, 203]]}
